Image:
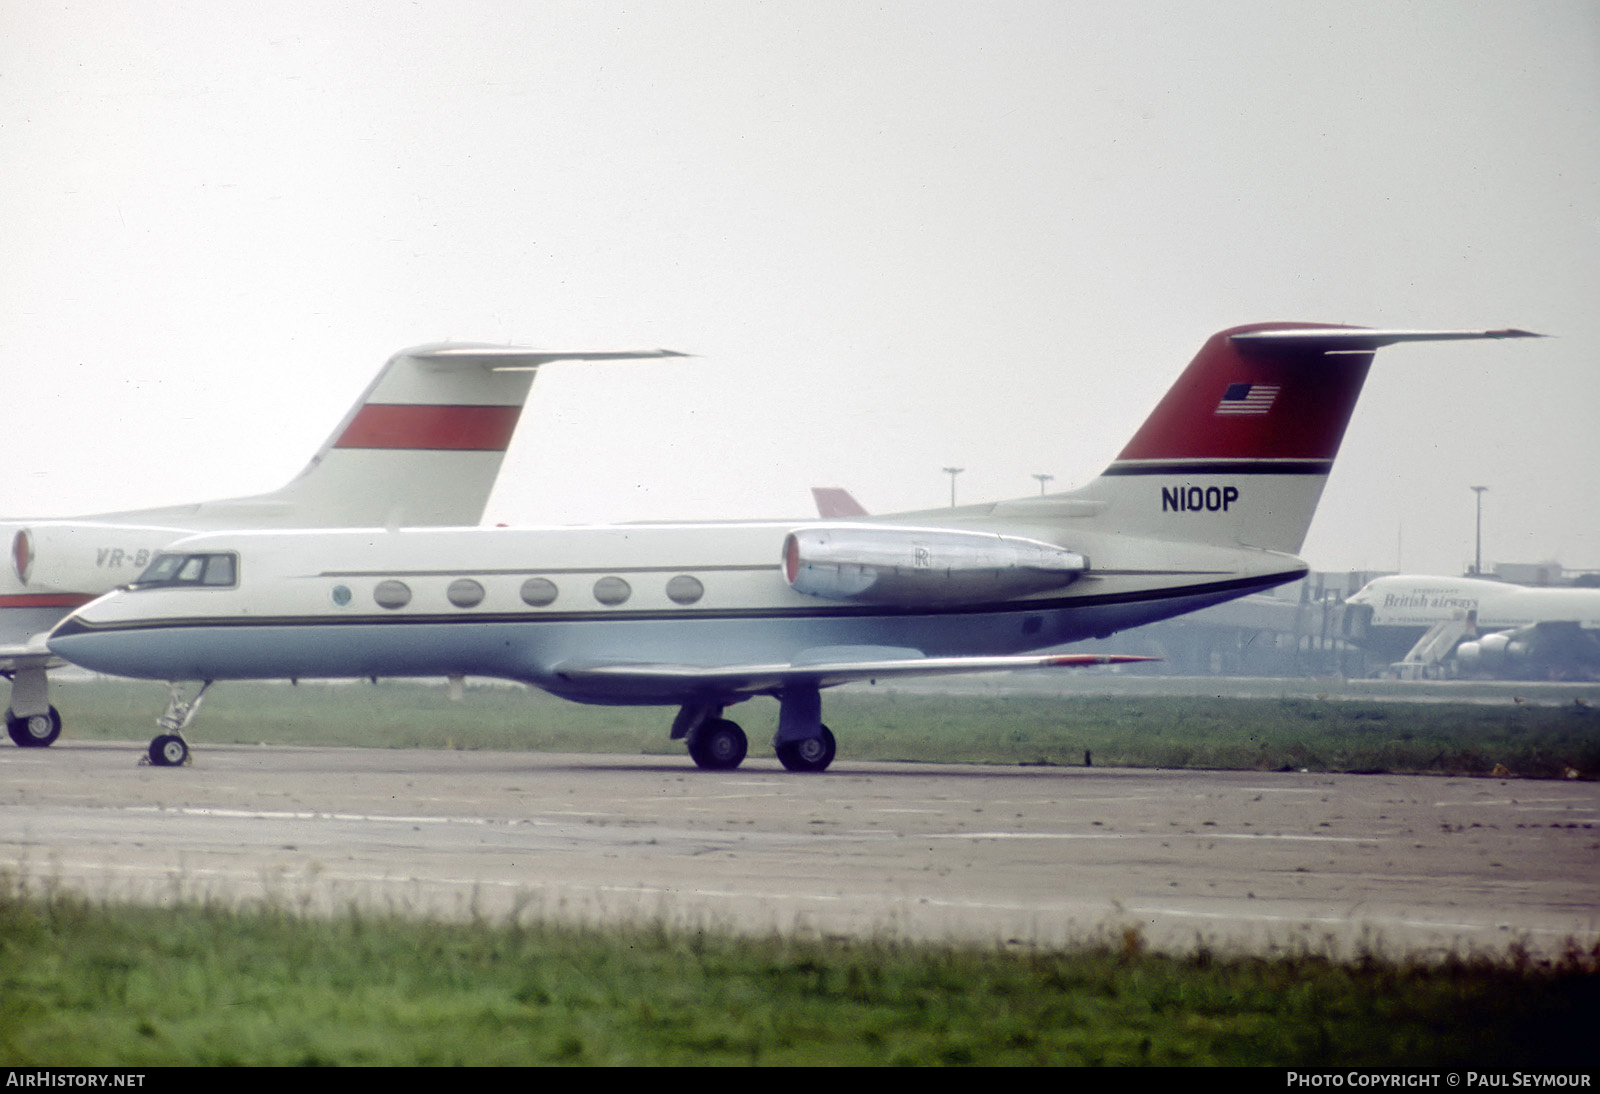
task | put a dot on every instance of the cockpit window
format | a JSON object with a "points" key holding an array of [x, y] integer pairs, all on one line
{"points": [[216, 570], [161, 571], [219, 570]]}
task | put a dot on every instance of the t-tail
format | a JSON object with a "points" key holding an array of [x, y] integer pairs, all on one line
{"points": [[422, 446], [1238, 451]]}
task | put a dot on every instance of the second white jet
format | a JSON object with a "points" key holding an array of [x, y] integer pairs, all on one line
{"points": [[1209, 501]]}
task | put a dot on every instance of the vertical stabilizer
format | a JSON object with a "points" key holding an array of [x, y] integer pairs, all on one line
{"points": [[836, 502], [423, 446], [1238, 451]]}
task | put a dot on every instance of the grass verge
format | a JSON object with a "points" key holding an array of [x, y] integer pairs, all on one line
{"points": [[90, 983], [1148, 731]]}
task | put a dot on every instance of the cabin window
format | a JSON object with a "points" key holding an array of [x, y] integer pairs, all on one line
{"points": [[685, 589], [218, 570], [538, 592], [465, 593], [612, 590], [392, 594]]}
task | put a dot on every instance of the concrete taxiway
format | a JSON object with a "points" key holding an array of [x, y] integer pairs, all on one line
{"points": [[987, 854]]}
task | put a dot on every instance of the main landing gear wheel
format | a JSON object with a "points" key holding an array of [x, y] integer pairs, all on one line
{"points": [[809, 754], [169, 750], [36, 730], [718, 745]]}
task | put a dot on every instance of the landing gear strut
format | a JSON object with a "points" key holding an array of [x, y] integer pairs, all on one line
{"points": [[802, 742], [32, 721], [169, 749]]}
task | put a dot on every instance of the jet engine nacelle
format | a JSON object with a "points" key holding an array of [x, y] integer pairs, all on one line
{"points": [[886, 564], [1493, 652], [83, 557]]}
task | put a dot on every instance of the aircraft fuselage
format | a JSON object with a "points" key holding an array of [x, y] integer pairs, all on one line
{"points": [[524, 604]]}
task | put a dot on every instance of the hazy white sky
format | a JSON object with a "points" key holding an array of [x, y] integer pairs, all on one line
{"points": [[899, 236]]}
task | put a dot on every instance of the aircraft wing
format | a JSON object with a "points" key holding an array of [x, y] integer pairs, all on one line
{"points": [[14, 657], [746, 680]]}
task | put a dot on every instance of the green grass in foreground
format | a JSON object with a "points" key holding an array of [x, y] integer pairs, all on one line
{"points": [[86, 983], [1150, 731]]}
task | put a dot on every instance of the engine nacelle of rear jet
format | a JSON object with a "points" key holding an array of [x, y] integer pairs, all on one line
{"points": [[83, 557], [885, 564]]}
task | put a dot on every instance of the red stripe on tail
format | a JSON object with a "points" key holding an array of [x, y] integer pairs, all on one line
{"points": [[434, 428]]}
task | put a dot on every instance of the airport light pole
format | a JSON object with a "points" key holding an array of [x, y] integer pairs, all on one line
{"points": [[953, 472], [1477, 557], [1042, 480]]}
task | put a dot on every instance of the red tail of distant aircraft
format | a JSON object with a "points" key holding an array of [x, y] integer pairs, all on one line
{"points": [[835, 502]]}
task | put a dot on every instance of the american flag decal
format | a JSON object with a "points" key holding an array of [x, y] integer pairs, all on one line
{"points": [[1247, 399]]}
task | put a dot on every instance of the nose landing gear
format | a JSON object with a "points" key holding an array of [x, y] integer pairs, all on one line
{"points": [[169, 749]]}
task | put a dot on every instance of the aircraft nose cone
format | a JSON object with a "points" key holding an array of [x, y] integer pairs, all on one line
{"points": [[68, 627], [78, 642]]}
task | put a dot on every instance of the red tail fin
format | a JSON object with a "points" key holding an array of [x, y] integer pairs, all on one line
{"points": [[1239, 449], [836, 501], [1271, 391], [1247, 401]]}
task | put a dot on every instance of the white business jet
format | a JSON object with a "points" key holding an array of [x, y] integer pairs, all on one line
{"points": [[422, 446], [1209, 501]]}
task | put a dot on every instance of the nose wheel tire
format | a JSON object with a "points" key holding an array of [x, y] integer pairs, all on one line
{"points": [[719, 745], [36, 730], [811, 754], [168, 750]]}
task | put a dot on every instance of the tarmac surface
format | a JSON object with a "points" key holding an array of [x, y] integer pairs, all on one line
{"points": [[1239, 860]]}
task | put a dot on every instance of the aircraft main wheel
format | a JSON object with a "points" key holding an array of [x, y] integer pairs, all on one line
{"points": [[719, 745], [168, 750], [36, 730], [811, 754]]}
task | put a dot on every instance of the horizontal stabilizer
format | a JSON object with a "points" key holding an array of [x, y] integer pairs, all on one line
{"points": [[515, 357], [1334, 339]]}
